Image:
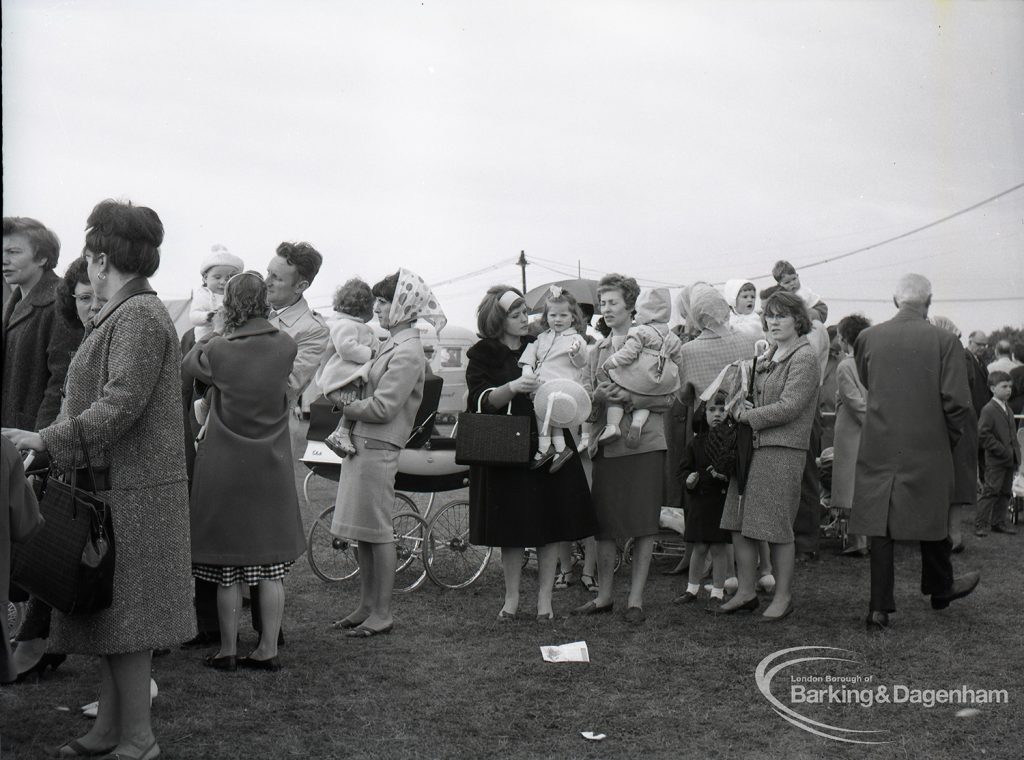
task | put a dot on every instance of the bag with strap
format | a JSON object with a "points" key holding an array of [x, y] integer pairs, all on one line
{"points": [[492, 440], [69, 562]]}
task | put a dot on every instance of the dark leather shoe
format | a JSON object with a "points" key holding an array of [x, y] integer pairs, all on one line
{"points": [[635, 615], [560, 459], [1004, 529], [748, 606], [591, 608], [228, 662], [961, 587], [273, 664], [877, 621], [957, 548], [202, 640], [542, 460], [685, 598]]}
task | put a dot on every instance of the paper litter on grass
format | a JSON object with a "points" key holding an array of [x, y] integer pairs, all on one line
{"points": [[574, 652]]}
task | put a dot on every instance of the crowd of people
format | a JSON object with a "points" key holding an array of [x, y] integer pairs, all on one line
{"points": [[190, 444]]}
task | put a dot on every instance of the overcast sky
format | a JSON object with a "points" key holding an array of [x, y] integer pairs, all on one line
{"points": [[671, 141]]}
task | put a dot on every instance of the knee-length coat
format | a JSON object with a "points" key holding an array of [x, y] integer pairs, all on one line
{"points": [[122, 386], [244, 509], [851, 403], [918, 406]]}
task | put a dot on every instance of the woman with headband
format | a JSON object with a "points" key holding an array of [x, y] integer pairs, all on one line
{"points": [[246, 526], [517, 507]]}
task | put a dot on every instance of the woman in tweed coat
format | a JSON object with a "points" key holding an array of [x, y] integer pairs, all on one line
{"points": [[122, 386], [785, 394]]}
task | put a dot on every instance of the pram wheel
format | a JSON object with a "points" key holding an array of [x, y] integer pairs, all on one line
{"points": [[410, 569], [451, 561], [335, 559]]}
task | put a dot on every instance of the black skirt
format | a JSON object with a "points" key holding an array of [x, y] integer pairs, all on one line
{"points": [[510, 506]]}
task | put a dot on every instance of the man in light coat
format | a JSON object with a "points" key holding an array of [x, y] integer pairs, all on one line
{"points": [[918, 405]]}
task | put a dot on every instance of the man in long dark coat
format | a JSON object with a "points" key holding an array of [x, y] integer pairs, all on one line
{"points": [[918, 405]]}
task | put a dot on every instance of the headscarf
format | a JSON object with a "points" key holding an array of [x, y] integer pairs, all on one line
{"points": [[415, 300], [732, 289], [707, 308], [653, 305]]}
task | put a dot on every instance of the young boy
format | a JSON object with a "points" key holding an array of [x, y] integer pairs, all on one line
{"points": [[997, 435], [785, 274]]}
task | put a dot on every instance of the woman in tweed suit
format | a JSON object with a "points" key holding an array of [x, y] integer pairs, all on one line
{"points": [[384, 419], [785, 394], [122, 386]]}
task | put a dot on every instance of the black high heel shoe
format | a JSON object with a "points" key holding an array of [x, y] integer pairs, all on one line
{"points": [[49, 660]]}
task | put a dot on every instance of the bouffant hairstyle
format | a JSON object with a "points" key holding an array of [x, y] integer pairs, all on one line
{"points": [[626, 285], [45, 244], [579, 322], [354, 298], [386, 288], [490, 316], [129, 235], [245, 297], [76, 273], [305, 258], [781, 269], [852, 326], [782, 303]]}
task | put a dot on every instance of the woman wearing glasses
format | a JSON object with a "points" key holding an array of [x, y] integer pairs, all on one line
{"points": [[246, 526]]}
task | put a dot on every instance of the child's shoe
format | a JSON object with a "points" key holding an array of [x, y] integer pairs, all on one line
{"points": [[633, 436], [542, 459], [609, 434], [340, 444], [560, 459], [766, 583]]}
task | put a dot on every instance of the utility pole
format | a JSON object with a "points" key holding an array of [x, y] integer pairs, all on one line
{"points": [[522, 265]]}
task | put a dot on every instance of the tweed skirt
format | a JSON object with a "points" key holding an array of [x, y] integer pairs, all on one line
{"points": [[364, 509], [628, 494], [768, 508]]}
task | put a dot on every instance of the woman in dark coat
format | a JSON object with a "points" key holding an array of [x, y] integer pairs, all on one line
{"points": [[246, 526], [122, 387], [517, 507]]}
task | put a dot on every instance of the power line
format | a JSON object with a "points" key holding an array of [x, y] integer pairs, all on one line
{"points": [[467, 275], [937, 300], [914, 231]]}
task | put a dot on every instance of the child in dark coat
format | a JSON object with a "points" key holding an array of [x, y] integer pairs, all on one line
{"points": [[704, 472]]}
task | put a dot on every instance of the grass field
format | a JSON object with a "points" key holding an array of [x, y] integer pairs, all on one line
{"points": [[452, 682]]}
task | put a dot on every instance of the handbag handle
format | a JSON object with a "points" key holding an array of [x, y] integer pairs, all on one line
{"points": [[76, 425], [480, 401]]}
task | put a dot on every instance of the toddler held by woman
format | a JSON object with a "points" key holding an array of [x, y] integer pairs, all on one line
{"points": [[346, 361], [558, 353]]}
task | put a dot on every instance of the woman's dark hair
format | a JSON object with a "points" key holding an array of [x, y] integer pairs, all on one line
{"points": [[490, 317], [45, 243], [386, 288], [852, 326], [628, 286], [782, 303], [354, 298], [129, 235], [305, 258], [76, 273], [245, 297]]}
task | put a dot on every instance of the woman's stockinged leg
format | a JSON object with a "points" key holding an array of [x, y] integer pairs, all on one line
{"points": [[106, 729], [783, 559], [605, 572], [547, 560], [130, 674], [643, 547], [271, 615], [512, 569], [745, 552], [229, 608], [385, 560]]}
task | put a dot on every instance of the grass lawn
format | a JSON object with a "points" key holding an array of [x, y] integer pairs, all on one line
{"points": [[453, 682]]}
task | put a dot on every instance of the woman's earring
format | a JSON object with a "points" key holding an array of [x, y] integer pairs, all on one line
{"points": [[102, 275]]}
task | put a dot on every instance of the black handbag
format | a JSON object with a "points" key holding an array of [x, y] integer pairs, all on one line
{"points": [[492, 440], [745, 442], [69, 562]]}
